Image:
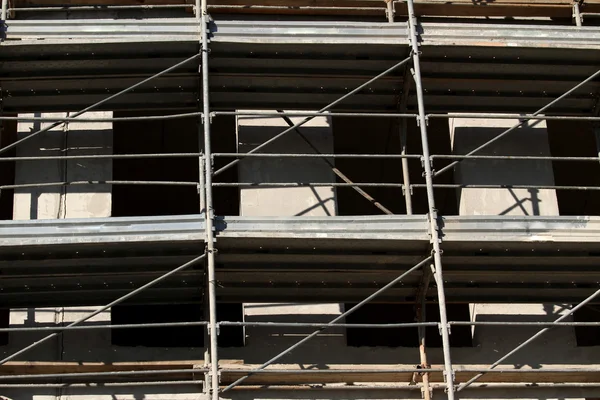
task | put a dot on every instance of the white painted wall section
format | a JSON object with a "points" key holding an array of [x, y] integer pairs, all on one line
{"points": [[529, 140]]}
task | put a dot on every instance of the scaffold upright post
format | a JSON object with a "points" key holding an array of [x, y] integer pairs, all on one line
{"points": [[4, 9], [577, 14], [209, 210], [403, 132], [389, 11], [433, 217], [198, 10]]}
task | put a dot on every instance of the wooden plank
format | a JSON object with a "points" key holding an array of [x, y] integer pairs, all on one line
{"points": [[291, 374], [47, 367], [447, 8], [395, 374], [49, 3]]}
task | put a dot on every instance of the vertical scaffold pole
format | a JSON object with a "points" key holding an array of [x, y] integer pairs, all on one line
{"points": [[208, 204], [433, 217], [4, 9], [389, 11]]}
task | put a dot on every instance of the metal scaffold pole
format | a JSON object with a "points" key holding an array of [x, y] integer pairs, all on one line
{"points": [[208, 207], [4, 9], [104, 308], [433, 216]]}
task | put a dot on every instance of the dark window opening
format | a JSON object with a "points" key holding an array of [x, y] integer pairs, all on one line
{"points": [[587, 335], [231, 336], [4, 323], [189, 336], [405, 337], [169, 136], [384, 138], [8, 135], [575, 139]]}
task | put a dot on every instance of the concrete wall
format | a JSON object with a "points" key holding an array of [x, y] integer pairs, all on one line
{"points": [[490, 343], [329, 348], [58, 202], [302, 201], [67, 201], [531, 139]]}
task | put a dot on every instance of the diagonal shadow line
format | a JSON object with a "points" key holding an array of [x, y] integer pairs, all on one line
{"points": [[335, 170], [518, 203], [333, 322]]}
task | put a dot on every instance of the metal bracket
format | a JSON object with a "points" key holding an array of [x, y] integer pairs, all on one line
{"points": [[217, 330], [445, 374]]}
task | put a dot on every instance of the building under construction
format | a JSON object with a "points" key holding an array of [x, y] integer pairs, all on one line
{"points": [[300, 199]]}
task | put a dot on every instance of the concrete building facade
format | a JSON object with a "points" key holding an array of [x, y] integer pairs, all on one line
{"points": [[303, 230]]}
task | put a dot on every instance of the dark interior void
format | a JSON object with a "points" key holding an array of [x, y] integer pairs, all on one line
{"points": [[382, 136], [168, 136], [189, 336], [405, 337], [575, 139], [4, 323], [587, 335], [8, 135]]}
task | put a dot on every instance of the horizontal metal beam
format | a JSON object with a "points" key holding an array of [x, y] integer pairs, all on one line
{"points": [[313, 32], [239, 232]]}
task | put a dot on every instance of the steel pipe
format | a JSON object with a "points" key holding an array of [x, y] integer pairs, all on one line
{"points": [[303, 184], [104, 308], [313, 8], [95, 385], [100, 374], [533, 117], [114, 119], [80, 183], [209, 207], [523, 120], [99, 103], [320, 112], [109, 326], [321, 155], [296, 325], [528, 341], [311, 114], [466, 186], [330, 324], [324, 325], [103, 157], [530, 158], [434, 228], [101, 7]]}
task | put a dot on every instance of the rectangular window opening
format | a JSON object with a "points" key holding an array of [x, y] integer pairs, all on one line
{"points": [[405, 337], [188, 336], [8, 135], [587, 336], [4, 323]]}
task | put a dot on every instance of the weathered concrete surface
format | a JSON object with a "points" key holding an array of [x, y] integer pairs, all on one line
{"points": [[67, 201], [490, 343], [531, 139], [319, 201]]}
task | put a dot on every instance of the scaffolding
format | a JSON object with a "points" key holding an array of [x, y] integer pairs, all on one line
{"points": [[430, 234]]}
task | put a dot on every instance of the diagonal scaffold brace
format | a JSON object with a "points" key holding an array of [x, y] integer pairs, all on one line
{"points": [[322, 110], [332, 323], [528, 341], [98, 104], [521, 122], [336, 170], [106, 307]]}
